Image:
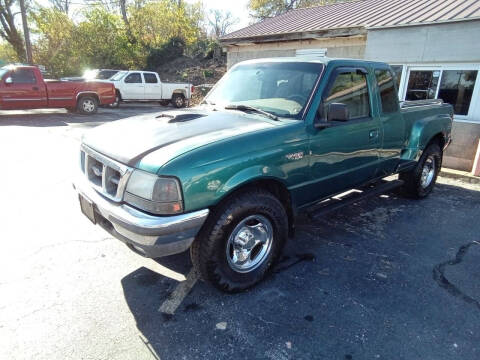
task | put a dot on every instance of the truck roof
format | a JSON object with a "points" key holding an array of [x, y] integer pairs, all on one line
{"points": [[311, 59]]}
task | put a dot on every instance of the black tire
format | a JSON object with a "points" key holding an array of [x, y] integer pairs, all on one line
{"points": [[164, 102], [87, 105], [178, 100], [118, 99], [209, 250], [419, 182]]}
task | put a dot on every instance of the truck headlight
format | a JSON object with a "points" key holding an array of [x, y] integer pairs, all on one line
{"points": [[154, 194]]}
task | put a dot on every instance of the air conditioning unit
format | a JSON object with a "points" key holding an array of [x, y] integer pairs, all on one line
{"points": [[311, 53]]}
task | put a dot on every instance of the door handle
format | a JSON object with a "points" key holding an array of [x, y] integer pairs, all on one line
{"points": [[35, 88], [373, 134]]}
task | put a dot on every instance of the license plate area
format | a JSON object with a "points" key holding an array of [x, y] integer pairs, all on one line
{"points": [[87, 208]]}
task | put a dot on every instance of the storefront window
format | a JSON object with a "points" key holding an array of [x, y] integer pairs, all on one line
{"points": [[422, 85], [456, 88]]}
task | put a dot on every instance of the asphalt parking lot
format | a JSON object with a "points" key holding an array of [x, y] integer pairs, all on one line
{"points": [[387, 278]]}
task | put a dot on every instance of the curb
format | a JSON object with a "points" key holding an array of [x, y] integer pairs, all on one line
{"points": [[459, 175]]}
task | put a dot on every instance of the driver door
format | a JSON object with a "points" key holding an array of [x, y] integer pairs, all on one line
{"points": [[134, 88], [346, 154]]}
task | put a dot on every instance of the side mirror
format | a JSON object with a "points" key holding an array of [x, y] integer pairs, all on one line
{"points": [[8, 80], [337, 112]]}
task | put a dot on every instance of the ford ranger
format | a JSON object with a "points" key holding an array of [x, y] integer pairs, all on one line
{"points": [[23, 87], [274, 137]]}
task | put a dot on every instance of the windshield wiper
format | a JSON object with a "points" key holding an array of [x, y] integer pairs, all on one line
{"points": [[247, 108]]}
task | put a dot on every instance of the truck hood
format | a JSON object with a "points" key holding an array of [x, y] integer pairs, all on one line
{"points": [[169, 134]]}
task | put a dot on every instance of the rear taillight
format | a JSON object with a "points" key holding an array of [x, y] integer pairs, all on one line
{"points": [[192, 90]]}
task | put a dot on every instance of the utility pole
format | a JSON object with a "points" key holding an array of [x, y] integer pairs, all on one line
{"points": [[28, 45]]}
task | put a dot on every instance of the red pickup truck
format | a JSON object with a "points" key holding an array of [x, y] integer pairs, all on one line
{"points": [[23, 87]]}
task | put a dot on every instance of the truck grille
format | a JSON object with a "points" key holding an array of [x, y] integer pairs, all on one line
{"points": [[106, 175]]}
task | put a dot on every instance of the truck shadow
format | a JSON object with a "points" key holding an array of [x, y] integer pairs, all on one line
{"points": [[359, 270]]}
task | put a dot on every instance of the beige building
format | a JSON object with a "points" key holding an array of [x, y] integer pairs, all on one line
{"points": [[431, 44]]}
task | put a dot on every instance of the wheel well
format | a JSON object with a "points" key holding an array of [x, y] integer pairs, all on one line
{"points": [[118, 93], [95, 96], [178, 92], [276, 188], [438, 138]]}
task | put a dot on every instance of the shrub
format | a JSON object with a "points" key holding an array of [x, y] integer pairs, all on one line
{"points": [[172, 49]]}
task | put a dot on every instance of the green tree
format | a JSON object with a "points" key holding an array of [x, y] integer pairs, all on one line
{"points": [[263, 9], [55, 46], [103, 42], [7, 53], [157, 22], [8, 27]]}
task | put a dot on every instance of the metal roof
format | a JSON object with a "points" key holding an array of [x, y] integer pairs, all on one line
{"points": [[362, 13]]}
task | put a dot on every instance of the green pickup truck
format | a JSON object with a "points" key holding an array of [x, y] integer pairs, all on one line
{"points": [[273, 138]]}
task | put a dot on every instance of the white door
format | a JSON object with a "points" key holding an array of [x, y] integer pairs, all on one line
{"points": [[133, 87], [153, 88]]}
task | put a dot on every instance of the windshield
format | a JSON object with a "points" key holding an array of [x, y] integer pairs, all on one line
{"points": [[118, 76], [282, 89], [105, 74]]}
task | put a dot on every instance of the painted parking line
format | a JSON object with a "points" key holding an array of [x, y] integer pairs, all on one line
{"points": [[178, 295]]}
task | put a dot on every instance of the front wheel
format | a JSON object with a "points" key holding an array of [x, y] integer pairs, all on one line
{"points": [[420, 181], [87, 105], [241, 241]]}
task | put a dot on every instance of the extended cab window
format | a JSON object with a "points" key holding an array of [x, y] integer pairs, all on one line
{"points": [[386, 87], [150, 78], [350, 88], [23, 76], [134, 78]]}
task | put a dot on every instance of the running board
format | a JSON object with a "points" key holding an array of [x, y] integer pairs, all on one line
{"points": [[350, 197]]}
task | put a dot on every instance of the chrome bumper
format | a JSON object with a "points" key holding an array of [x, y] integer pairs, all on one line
{"points": [[148, 235]]}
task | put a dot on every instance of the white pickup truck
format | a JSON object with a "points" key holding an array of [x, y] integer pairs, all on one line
{"points": [[136, 85]]}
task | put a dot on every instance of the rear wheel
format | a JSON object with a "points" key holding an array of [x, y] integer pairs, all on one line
{"points": [[87, 105], [178, 100], [241, 241], [420, 181]]}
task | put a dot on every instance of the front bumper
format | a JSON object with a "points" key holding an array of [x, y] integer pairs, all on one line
{"points": [[148, 235]]}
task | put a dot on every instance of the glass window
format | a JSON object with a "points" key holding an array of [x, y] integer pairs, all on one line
{"points": [[118, 76], [388, 95], [456, 88], [150, 78], [398, 70], [422, 84], [133, 78], [350, 88], [23, 76], [281, 88]]}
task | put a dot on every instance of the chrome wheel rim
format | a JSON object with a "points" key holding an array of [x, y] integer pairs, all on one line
{"points": [[88, 105], [179, 101], [428, 172], [249, 243]]}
